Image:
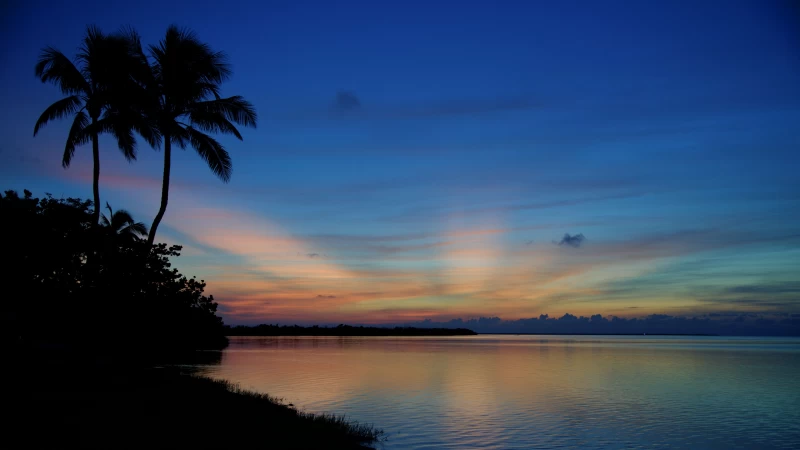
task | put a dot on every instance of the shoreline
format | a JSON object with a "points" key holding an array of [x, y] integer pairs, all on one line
{"points": [[65, 400]]}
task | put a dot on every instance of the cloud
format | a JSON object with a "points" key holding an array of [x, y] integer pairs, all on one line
{"points": [[326, 296], [346, 101], [574, 241]]}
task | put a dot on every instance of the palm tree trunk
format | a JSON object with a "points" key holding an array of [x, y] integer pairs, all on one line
{"points": [[96, 178], [164, 192]]}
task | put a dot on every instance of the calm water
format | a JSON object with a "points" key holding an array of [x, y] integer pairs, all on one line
{"points": [[526, 392]]}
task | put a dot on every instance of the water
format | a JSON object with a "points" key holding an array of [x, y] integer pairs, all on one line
{"points": [[537, 392]]}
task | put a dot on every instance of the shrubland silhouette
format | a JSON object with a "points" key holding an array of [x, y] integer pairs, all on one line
{"points": [[72, 284]]}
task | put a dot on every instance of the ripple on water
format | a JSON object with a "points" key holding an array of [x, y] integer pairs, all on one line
{"points": [[533, 392]]}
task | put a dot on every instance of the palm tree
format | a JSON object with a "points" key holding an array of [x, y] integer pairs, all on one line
{"points": [[97, 94], [120, 225], [183, 102], [122, 238]]}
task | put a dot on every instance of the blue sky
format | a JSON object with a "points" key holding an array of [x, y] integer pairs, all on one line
{"points": [[423, 160]]}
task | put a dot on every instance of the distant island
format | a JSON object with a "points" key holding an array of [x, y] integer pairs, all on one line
{"points": [[603, 334], [342, 330]]}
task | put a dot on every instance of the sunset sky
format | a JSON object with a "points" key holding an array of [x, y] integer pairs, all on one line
{"points": [[441, 160]]}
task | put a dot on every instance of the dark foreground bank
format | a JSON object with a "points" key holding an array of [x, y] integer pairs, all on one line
{"points": [[108, 406]]}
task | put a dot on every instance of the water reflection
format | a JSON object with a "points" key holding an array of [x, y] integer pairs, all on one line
{"points": [[537, 392]]}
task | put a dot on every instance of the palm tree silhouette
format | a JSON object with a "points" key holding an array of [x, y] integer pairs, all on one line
{"points": [[120, 225], [183, 102], [98, 94]]}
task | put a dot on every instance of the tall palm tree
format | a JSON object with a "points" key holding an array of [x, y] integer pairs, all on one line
{"points": [[183, 102], [120, 225], [97, 94]]}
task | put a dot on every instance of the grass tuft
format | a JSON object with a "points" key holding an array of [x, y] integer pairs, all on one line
{"points": [[339, 424]]}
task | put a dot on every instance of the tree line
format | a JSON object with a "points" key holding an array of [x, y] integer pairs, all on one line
{"points": [[341, 330]]}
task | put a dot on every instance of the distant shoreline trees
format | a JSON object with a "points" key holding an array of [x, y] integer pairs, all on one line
{"points": [[341, 330]]}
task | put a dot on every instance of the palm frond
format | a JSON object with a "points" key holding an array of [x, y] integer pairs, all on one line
{"points": [[214, 122], [140, 70], [90, 53], [129, 33], [180, 138], [187, 69], [214, 154], [159, 55], [54, 67], [234, 108], [120, 219], [77, 136], [217, 67], [57, 110], [211, 66], [91, 40], [104, 221], [203, 90], [138, 228], [109, 61], [122, 223], [125, 140], [147, 129], [137, 113]]}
